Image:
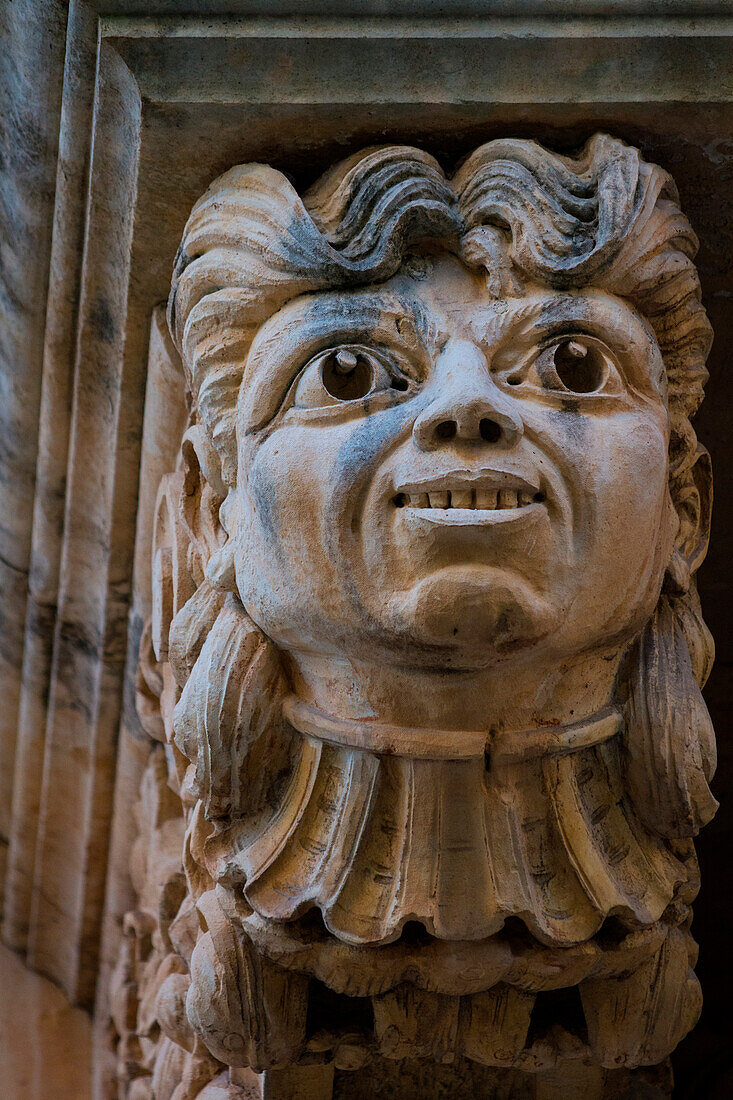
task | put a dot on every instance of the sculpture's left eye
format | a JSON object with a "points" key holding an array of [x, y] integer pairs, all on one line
{"points": [[580, 366], [577, 365], [344, 374]]}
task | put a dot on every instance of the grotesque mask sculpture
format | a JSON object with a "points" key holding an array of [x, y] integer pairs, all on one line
{"points": [[429, 640]]}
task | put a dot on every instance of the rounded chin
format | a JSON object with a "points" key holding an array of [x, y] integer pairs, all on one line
{"points": [[490, 616]]}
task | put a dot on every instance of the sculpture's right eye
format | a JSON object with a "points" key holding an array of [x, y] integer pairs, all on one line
{"points": [[344, 374], [347, 375]]}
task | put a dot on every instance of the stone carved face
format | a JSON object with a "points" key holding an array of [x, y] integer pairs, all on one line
{"points": [[445, 426], [441, 476], [449, 424]]}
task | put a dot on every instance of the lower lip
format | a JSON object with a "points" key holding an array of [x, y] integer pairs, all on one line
{"points": [[471, 517]]}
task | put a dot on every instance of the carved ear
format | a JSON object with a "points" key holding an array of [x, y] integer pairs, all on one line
{"points": [[207, 457], [201, 500], [694, 506]]}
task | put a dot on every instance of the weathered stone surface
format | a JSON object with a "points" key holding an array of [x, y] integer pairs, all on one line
{"points": [[298, 88], [31, 103], [413, 8], [45, 1044], [425, 634]]}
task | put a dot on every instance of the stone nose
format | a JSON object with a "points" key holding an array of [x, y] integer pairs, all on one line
{"points": [[467, 404]]}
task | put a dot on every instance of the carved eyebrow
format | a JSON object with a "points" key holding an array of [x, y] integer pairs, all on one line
{"points": [[613, 321], [551, 315], [286, 342]]}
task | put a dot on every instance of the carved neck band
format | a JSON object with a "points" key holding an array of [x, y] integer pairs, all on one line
{"points": [[436, 744]]}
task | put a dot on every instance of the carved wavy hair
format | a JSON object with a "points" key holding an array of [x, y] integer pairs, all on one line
{"points": [[514, 210]]}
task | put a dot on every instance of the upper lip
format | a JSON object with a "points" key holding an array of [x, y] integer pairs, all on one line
{"points": [[453, 480]]}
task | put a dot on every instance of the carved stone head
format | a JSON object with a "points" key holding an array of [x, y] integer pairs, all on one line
{"points": [[440, 663]]}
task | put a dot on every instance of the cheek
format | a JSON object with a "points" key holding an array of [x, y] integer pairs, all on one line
{"points": [[625, 540], [283, 575], [298, 485], [629, 476], [283, 496]]}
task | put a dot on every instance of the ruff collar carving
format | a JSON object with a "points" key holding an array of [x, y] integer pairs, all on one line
{"points": [[545, 834]]}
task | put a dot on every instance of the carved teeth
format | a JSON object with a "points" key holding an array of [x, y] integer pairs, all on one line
{"points": [[481, 499], [486, 498], [461, 498]]}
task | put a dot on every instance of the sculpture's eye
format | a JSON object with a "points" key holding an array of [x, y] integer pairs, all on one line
{"points": [[347, 375], [576, 365], [344, 374]]}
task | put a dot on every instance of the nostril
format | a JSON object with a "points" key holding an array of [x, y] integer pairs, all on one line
{"points": [[490, 430], [446, 429]]}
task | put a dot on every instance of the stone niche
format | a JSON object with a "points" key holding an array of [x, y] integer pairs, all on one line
{"points": [[359, 711]]}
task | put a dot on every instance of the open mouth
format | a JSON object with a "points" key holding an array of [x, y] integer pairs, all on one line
{"points": [[481, 492], [482, 499]]}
